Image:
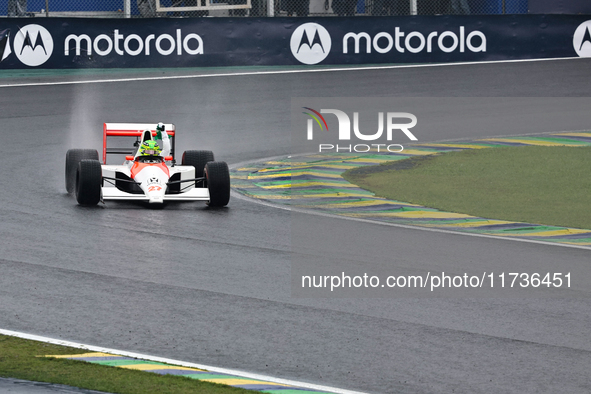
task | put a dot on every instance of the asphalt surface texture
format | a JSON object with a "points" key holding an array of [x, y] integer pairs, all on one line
{"points": [[18, 386], [215, 286]]}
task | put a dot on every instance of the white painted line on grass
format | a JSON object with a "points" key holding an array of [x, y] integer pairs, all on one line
{"points": [[280, 72], [176, 362]]}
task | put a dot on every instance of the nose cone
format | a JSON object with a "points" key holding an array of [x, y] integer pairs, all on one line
{"points": [[153, 179], [155, 194]]}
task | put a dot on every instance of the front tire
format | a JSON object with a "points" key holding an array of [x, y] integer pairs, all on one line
{"points": [[89, 179], [197, 159], [218, 183], [73, 157]]}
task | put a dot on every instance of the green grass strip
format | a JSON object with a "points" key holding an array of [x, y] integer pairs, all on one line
{"points": [[533, 184], [23, 359]]}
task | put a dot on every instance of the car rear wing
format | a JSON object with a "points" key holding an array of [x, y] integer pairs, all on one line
{"points": [[131, 130]]}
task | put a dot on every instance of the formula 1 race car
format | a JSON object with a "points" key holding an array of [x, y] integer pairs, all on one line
{"points": [[154, 179]]}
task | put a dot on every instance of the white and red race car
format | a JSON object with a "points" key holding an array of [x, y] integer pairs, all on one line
{"points": [[153, 179]]}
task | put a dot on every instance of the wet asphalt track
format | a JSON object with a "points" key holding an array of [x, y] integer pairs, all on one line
{"points": [[17, 386], [213, 287]]}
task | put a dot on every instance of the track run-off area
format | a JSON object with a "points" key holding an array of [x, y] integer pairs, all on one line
{"points": [[216, 287]]}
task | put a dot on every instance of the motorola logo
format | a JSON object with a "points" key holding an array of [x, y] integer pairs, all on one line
{"points": [[310, 43], [4, 44], [33, 45], [582, 39]]}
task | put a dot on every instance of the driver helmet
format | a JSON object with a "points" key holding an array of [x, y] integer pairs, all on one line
{"points": [[150, 148]]}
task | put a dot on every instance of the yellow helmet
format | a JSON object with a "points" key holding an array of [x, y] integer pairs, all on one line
{"points": [[150, 148]]}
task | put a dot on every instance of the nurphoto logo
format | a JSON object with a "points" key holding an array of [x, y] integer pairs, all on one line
{"points": [[394, 122]]}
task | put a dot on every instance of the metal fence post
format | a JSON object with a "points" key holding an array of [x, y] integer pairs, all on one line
{"points": [[270, 7], [127, 8], [413, 7]]}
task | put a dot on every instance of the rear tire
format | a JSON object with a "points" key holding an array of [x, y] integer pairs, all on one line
{"points": [[73, 157], [89, 179], [218, 183], [197, 159]]}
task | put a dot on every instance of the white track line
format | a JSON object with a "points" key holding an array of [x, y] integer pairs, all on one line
{"points": [[176, 362], [406, 226], [279, 72]]}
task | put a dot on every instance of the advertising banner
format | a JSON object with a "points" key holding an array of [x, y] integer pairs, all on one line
{"points": [[205, 42]]}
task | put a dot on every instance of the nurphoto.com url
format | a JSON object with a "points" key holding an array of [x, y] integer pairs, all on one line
{"points": [[436, 281]]}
